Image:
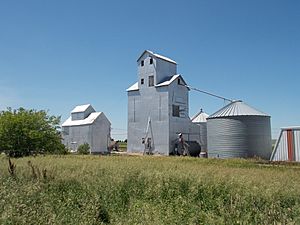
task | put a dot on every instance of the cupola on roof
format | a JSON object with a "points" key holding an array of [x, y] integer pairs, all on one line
{"points": [[80, 108], [157, 56]]}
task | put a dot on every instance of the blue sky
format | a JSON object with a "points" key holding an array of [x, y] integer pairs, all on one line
{"points": [[55, 54]]}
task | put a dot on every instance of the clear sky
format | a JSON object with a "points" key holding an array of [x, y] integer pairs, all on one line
{"points": [[57, 54]]}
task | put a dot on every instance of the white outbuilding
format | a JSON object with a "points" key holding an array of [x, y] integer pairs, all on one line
{"points": [[85, 125]]}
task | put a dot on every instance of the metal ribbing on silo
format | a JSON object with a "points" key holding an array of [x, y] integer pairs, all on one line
{"points": [[200, 120], [203, 135], [259, 136], [238, 130], [226, 138]]}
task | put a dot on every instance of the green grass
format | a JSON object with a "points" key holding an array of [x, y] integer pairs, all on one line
{"points": [[123, 146], [148, 190]]}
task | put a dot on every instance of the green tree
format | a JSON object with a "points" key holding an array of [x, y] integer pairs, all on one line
{"points": [[84, 149], [26, 132]]}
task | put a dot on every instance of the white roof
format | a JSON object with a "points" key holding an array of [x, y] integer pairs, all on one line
{"points": [[291, 128], [237, 108], [80, 108], [133, 87], [171, 79], [200, 117], [164, 58], [158, 56], [89, 120], [167, 82]]}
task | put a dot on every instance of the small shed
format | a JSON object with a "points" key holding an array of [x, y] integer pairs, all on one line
{"points": [[85, 125], [287, 147]]}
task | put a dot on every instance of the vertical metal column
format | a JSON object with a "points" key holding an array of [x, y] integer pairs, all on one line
{"points": [[290, 143]]}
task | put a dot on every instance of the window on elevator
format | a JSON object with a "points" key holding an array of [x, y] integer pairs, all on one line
{"points": [[151, 81], [175, 111]]}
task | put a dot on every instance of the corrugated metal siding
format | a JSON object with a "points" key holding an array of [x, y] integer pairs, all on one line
{"points": [[202, 135], [226, 138], [281, 149], [199, 131], [259, 136], [239, 136], [297, 145]]}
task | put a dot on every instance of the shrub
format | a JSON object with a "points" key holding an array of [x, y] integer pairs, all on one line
{"points": [[84, 149]]}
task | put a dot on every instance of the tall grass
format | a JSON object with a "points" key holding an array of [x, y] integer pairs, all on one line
{"points": [[148, 190]]}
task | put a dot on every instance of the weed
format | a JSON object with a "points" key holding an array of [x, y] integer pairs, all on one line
{"points": [[44, 172], [11, 168], [35, 173], [38, 174], [103, 215]]}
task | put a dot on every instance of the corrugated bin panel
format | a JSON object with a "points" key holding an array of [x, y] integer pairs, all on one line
{"points": [[200, 119]]}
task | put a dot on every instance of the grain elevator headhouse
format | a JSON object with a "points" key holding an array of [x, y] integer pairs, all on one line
{"points": [[158, 107]]}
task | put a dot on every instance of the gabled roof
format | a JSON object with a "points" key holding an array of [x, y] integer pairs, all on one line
{"points": [[167, 82], [134, 87], [157, 56], [170, 80], [89, 120], [80, 108], [200, 117], [237, 108]]}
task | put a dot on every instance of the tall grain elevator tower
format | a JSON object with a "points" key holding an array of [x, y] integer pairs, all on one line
{"points": [[158, 105]]}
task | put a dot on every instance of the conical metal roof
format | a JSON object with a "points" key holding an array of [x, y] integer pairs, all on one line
{"points": [[200, 117], [237, 108]]}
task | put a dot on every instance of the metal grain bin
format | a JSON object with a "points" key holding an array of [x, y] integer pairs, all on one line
{"points": [[200, 120], [238, 130]]}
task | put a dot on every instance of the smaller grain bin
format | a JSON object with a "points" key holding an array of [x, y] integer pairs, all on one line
{"points": [[200, 120], [238, 130]]}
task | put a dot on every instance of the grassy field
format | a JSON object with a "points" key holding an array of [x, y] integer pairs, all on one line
{"points": [[123, 146], [148, 190]]}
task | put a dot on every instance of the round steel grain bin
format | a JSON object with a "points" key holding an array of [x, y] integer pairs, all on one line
{"points": [[238, 130], [200, 120]]}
